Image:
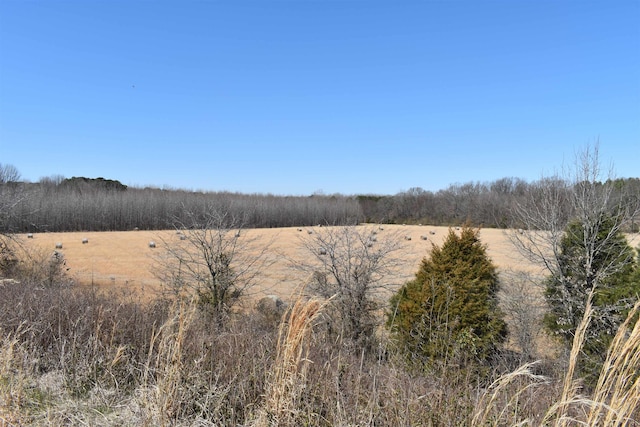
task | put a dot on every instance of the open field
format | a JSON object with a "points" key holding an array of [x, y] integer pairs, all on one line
{"points": [[123, 258]]}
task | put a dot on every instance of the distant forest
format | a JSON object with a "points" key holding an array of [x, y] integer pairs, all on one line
{"points": [[98, 204]]}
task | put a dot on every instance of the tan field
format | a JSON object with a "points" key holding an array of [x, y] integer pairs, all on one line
{"points": [[124, 258]]}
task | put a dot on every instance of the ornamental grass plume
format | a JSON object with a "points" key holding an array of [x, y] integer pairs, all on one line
{"points": [[287, 378]]}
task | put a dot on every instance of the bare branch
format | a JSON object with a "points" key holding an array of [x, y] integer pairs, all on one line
{"points": [[352, 265], [214, 258]]}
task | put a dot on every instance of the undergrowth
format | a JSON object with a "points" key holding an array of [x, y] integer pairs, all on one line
{"points": [[78, 356]]}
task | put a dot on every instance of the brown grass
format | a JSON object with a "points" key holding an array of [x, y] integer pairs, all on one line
{"points": [[288, 376], [614, 402], [123, 258], [617, 393], [160, 395]]}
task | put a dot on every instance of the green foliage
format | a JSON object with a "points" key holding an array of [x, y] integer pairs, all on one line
{"points": [[597, 257], [82, 183], [450, 310]]}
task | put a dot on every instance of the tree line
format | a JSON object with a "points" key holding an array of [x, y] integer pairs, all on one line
{"points": [[97, 204]]}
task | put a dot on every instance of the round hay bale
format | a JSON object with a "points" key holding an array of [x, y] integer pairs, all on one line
{"points": [[271, 306]]}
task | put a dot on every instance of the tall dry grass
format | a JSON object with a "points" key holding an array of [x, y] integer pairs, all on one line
{"points": [[13, 381], [614, 402], [160, 394], [617, 394], [288, 376], [78, 357]]}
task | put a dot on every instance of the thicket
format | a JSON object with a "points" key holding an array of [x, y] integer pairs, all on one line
{"points": [[81, 356]]}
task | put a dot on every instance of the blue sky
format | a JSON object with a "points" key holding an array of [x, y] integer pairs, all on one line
{"points": [[297, 97]]}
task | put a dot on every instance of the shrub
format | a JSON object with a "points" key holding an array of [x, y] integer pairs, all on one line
{"points": [[449, 312]]}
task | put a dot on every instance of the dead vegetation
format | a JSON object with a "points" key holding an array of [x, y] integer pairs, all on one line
{"points": [[85, 355], [72, 356]]}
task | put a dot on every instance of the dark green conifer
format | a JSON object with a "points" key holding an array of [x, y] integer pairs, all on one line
{"points": [[450, 310]]}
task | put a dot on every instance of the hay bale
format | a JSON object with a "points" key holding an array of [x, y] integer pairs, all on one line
{"points": [[271, 306], [29, 235], [152, 244], [58, 245], [423, 237], [85, 241]]}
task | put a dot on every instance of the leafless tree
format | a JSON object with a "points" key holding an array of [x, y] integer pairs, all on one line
{"points": [[581, 197], [522, 300], [353, 266], [8, 173], [11, 195], [211, 259]]}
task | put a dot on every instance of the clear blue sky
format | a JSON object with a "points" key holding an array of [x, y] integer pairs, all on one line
{"points": [[295, 97]]}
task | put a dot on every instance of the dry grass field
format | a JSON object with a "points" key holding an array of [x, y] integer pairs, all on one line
{"points": [[124, 258], [85, 358]]}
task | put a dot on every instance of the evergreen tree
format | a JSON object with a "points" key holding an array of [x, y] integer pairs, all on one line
{"points": [[449, 312], [597, 259]]}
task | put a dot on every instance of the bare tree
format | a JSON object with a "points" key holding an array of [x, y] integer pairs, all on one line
{"points": [[353, 266], [581, 209], [213, 258], [8, 173], [11, 195], [579, 195], [522, 300]]}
